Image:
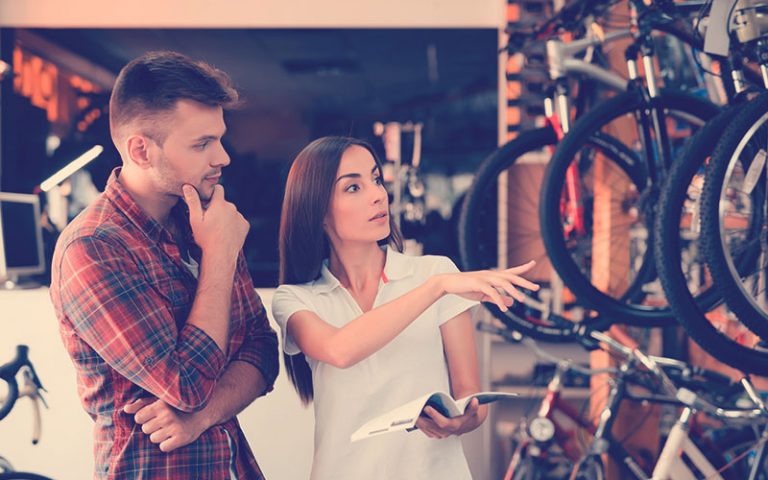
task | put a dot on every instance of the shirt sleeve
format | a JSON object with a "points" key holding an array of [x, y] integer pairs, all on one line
{"points": [[285, 303], [128, 323], [449, 305], [259, 347]]}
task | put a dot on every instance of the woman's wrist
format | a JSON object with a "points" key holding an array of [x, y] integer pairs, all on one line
{"points": [[435, 286], [473, 422]]}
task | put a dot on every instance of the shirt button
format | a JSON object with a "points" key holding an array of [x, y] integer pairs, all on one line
{"points": [[149, 361]]}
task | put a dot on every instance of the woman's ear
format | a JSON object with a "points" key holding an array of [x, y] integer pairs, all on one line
{"points": [[137, 147], [326, 222], [328, 227]]}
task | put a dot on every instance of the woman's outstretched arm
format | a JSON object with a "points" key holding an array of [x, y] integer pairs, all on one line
{"points": [[368, 333]]}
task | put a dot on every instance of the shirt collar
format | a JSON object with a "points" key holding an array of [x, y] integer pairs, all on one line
{"points": [[124, 202], [396, 266]]}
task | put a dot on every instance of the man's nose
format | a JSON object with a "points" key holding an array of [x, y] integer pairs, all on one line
{"points": [[222, 159]]}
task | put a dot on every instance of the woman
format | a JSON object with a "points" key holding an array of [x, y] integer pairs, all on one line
{"points": [[367, 329]]}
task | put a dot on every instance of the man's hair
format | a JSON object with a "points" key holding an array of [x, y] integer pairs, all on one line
{"points": [[148, 88]]}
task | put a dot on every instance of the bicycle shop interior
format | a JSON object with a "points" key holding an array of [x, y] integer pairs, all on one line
{"points": [[595, 137]]}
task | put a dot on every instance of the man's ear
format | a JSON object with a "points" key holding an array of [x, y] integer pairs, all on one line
{"points": [[137, 147]]}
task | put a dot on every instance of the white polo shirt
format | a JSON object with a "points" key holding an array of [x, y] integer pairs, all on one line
{"points": [[411, 365]]}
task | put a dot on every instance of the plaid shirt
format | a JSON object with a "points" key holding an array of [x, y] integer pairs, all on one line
{"points": [[122, 296]]}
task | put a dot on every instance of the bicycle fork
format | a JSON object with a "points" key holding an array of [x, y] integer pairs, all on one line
{"points": [[669, 465], [603, 442], [558, 110]]}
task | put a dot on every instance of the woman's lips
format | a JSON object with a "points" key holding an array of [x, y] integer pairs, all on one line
{"points": [[379, 217]]}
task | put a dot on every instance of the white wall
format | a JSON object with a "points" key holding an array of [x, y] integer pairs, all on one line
{"points": [[253, 13], [278, 428]]}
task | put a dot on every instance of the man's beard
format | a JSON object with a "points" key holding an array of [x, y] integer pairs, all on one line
{"points": [[170, 184]]}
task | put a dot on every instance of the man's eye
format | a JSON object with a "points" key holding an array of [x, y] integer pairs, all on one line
{"points": [[201, 146]]}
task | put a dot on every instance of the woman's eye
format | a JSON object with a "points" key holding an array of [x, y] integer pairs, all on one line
{"points": [[353, 188], [378, 181]]}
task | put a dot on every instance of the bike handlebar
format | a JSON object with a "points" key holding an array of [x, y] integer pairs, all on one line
{"points": [[571, 18], [661, 367], [31, 387], [8, 374], [695, 402]]}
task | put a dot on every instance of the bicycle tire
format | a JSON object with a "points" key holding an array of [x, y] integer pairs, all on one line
{"points": [[540, 467], [589, 468], [675, 191], [727, 270], [22, 476], [526, 470], [478, 253], [7, 403], [491, 167], [689, 312], [582, 134], [732, 444]]}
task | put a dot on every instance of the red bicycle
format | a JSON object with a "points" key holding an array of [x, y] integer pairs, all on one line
{"points": [[547, 446]]}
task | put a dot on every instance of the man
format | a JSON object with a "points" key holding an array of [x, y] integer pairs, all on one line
{"points": [[154, 301]]}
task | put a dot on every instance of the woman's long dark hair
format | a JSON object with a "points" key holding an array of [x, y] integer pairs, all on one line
{"points": [[303, 243]]}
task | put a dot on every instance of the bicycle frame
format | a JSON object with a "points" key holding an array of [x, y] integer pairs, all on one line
{"points": [[552, 406], [670, 464], [651, 122], [603, 442], [562, 64]]}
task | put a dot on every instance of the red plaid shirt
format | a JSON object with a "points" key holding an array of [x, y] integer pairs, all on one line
{"points": [[122, 295]]}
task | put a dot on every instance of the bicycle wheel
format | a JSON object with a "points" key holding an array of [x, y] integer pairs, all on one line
{"points": [[478, 226], [589, 468], [9, 391], [524, 469], [481, 232], [597, 206], [737, 449], [22, 476], [734, 216], [731, 450], [676, 236], [549, 465], [677, 243]]}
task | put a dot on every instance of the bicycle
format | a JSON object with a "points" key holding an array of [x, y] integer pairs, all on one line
{"points": [[407, 186], [691, 233], [602, 252], [478, 235], [546, 448], [669, 466], [31, 388], [671, 463]]}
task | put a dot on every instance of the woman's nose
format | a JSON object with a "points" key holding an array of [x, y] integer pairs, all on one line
{"points": [[380, 195]]}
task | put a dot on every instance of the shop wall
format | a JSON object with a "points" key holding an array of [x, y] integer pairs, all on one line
{"points": [[253, 14]]}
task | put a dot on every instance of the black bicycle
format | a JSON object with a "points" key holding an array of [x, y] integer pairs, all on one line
{"points": [[661, 120], [10, 392], [711, 222]]}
